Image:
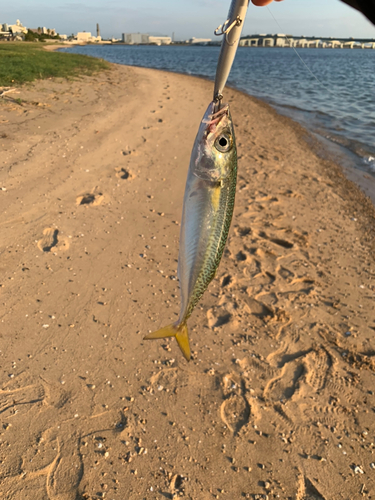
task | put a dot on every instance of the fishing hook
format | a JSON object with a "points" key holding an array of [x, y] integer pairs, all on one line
{"points": [[224, 30], [217, 102]]}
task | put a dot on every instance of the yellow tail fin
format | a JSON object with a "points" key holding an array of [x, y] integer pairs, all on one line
{"points": [[180, 332]]}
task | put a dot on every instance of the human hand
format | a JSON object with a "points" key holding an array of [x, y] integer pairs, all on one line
{"points": [[366, 7], [260, 3]]}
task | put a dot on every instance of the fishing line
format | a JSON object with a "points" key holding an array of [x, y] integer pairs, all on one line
{"points": [[290, 44]]}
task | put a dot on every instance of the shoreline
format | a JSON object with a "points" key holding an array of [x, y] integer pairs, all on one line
{"points": [[92, 180], [335, 152], [56, 46]]}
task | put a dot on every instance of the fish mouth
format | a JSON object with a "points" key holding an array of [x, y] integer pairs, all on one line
{"points": [[216, 116]]}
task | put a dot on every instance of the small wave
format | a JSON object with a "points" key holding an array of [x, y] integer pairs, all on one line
{"points": [[370, 163]]}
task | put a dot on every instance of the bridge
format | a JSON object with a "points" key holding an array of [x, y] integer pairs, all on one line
{"points": [[281, 40]]}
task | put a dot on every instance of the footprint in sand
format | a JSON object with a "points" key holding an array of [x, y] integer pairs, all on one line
{"points": [[227, 280], [165, 379], [241, 256], [291, 194], [286, 383], [51, 241], [235, 410], [258, 308], [214, 320], [298, 289], [24, 398], [282, 243], [299, 374], [277, 241], [242, 231], [123, 173], [286, 274], [90, 199]]}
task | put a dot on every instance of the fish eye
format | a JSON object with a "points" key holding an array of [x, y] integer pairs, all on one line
{"points": [[223, 143]]}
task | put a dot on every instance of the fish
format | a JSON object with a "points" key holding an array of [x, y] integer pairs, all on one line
{"points": [[206, 217]]}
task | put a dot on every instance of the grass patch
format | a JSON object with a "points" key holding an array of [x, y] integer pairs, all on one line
{"points": [[24, 62]]}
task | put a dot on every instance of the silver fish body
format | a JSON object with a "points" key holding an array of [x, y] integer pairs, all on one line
{"points": [[208, 207], [207, 214]]}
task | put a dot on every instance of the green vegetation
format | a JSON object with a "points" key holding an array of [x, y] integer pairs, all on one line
{"points": [[40, 36], [24, 62]]}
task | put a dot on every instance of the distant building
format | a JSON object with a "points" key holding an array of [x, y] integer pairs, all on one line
{"points": [[199, 40], [5, 31], [160, 40], [279, 40], [142, 38], [44, 31], [13, 31], [85, 37], [18, 28], [135, 38], [308, 42]]}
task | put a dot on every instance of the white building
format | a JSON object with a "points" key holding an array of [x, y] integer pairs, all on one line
{"points": [[5, 31], [281, 40], [198, 40], [85, 37], [17, 31], [18, 28], [135, 38], [142, 38], [160, 40], [278, 40]]}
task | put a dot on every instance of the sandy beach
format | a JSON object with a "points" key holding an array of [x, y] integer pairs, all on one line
{"points": [[279, 398]]}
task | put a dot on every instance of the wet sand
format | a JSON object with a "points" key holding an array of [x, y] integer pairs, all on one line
{"points": [[279, 398]]}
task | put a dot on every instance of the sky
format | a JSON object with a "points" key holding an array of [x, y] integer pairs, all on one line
{"points": [[187, 18]]}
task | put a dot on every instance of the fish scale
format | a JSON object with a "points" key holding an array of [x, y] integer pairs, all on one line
{"points": [[219, 239]]}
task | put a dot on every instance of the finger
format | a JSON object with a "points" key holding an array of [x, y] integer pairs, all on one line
{"points": [[261, 3]]}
